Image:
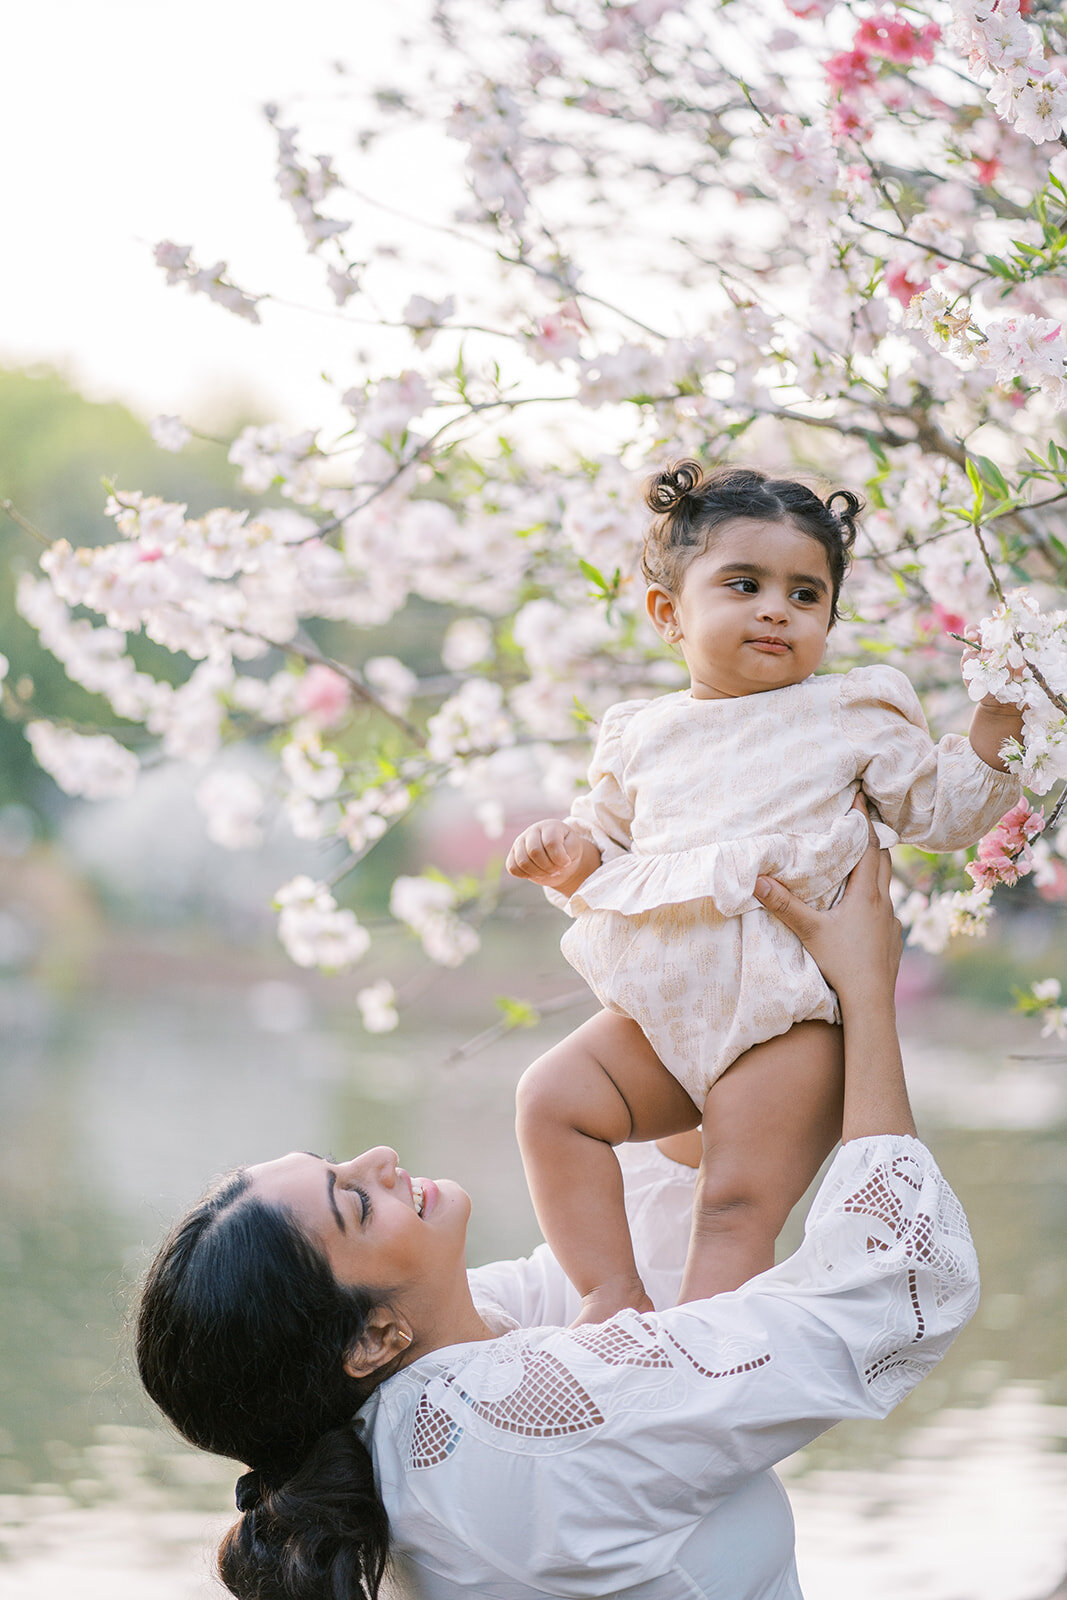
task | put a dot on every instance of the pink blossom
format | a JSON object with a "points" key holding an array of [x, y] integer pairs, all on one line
{"points": [[950, 621], [848, 122], [900, 285], [1004, 854], [895, 39], [850, 70], [810, 8], [987, 170], [556, 336], [323, 696]]}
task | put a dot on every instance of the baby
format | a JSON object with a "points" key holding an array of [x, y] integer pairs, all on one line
{"points": [[714, 1012]]}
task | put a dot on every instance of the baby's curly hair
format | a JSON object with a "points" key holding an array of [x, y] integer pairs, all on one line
{"points": [[690, 504]]}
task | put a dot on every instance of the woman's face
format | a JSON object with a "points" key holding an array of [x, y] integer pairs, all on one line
{"points": [[375, 1225]]}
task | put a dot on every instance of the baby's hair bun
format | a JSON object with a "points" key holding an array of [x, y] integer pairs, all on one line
{"points": [[666, 490], [845, 513]]}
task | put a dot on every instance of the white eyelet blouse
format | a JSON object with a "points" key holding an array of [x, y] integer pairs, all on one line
{"points": [[633, 1458]]}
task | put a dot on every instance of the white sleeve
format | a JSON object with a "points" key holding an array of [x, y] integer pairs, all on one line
{"points": [[936, 796], [533, 1291], [657, 1419]]}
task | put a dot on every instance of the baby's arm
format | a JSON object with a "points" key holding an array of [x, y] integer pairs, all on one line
{"points": [[942, 796], [555, 855]]}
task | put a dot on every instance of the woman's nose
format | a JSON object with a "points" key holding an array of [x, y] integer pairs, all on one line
{"points": [[382, 1161]]}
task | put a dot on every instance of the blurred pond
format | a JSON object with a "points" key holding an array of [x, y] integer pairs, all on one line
{"points": [[122, 1094]]}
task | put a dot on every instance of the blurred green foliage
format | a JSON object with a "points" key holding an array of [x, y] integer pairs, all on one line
{"points": [[56, 450]]}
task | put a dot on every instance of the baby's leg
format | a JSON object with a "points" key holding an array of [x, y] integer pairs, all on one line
{"points": [[769, 1123], [601, 1086]]}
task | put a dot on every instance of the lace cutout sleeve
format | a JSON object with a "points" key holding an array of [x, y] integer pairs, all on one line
{"points": [[937, 796], [653, 1420]]}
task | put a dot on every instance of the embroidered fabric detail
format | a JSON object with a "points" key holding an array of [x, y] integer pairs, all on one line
{"points": [[434, 1436], [720, 1372], [618, 1348], [547, 1403], [877, 1199]]}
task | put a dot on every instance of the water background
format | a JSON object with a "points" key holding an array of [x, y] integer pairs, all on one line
{"points": [[139, 1062]]}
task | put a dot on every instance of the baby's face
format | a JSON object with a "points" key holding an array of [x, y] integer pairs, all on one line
{"points": [[753, 612]]}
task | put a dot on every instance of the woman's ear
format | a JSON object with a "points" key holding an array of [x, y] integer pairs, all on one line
{"points": [[659, 603], [385, 1336]]}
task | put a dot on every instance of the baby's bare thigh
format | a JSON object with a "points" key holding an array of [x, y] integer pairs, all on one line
{"points": [[657, 1103]]}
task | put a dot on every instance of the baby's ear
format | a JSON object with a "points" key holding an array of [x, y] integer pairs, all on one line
{"points": [[659, 603]]}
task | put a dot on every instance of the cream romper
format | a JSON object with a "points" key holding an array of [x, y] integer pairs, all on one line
{"points": [[690, 800]]}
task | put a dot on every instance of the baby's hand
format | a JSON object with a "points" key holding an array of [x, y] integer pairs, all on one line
{"points": [[549, 852]]}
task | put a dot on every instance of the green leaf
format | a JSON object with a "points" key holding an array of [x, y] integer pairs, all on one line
{"points": [[979, 490], [1001, 268], [595, 576], [993, 476], [517, 1013], [874, 446]]}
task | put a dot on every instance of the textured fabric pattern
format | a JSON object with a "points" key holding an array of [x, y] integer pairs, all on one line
{"points": [[691, 800], [616, 1459]]}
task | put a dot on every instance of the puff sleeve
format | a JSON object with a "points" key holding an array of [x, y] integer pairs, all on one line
{"points": [[937, 796], [603, 812]]}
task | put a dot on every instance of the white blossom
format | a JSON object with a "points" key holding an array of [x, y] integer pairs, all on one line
{"points": [[170, 433], [472, 719], [427, 905], [377, 1005], [312, 929], [232, 801], [467, 643], [312, 771], [94, 766], [393, 682]]}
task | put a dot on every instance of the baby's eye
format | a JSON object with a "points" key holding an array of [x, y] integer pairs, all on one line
{"points": [[805, 596], [743, 585]]}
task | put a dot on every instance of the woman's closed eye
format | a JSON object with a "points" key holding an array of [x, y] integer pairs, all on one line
{"points": [[365, 1207]]}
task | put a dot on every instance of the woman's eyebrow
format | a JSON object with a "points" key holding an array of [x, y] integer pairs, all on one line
{"points": [[331, 1182]]}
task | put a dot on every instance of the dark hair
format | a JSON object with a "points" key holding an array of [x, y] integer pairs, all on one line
{"points": [[242, 1332], [691, 504]]}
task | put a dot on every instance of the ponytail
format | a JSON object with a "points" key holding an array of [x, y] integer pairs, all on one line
{"points": [[321, 1535], [242, 1332]]}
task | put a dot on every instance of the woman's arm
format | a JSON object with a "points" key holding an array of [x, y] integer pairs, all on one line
{"points": [[856, 946]]}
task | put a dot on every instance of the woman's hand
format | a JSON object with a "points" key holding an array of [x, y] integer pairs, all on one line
{"points": [[856, 944], [554, 854]]}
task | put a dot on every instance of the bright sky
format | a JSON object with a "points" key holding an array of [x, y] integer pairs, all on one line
{"points": [[124, 122]]}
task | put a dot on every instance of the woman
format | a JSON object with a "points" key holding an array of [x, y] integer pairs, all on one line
{"points": [[314, 1319]]}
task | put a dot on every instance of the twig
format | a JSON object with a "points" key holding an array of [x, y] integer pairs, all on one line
{"points": [[1035, 672], [24, 523], [488, 1036]]}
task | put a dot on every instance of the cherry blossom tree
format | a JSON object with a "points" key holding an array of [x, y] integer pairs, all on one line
{"points": [[822, 234]]}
